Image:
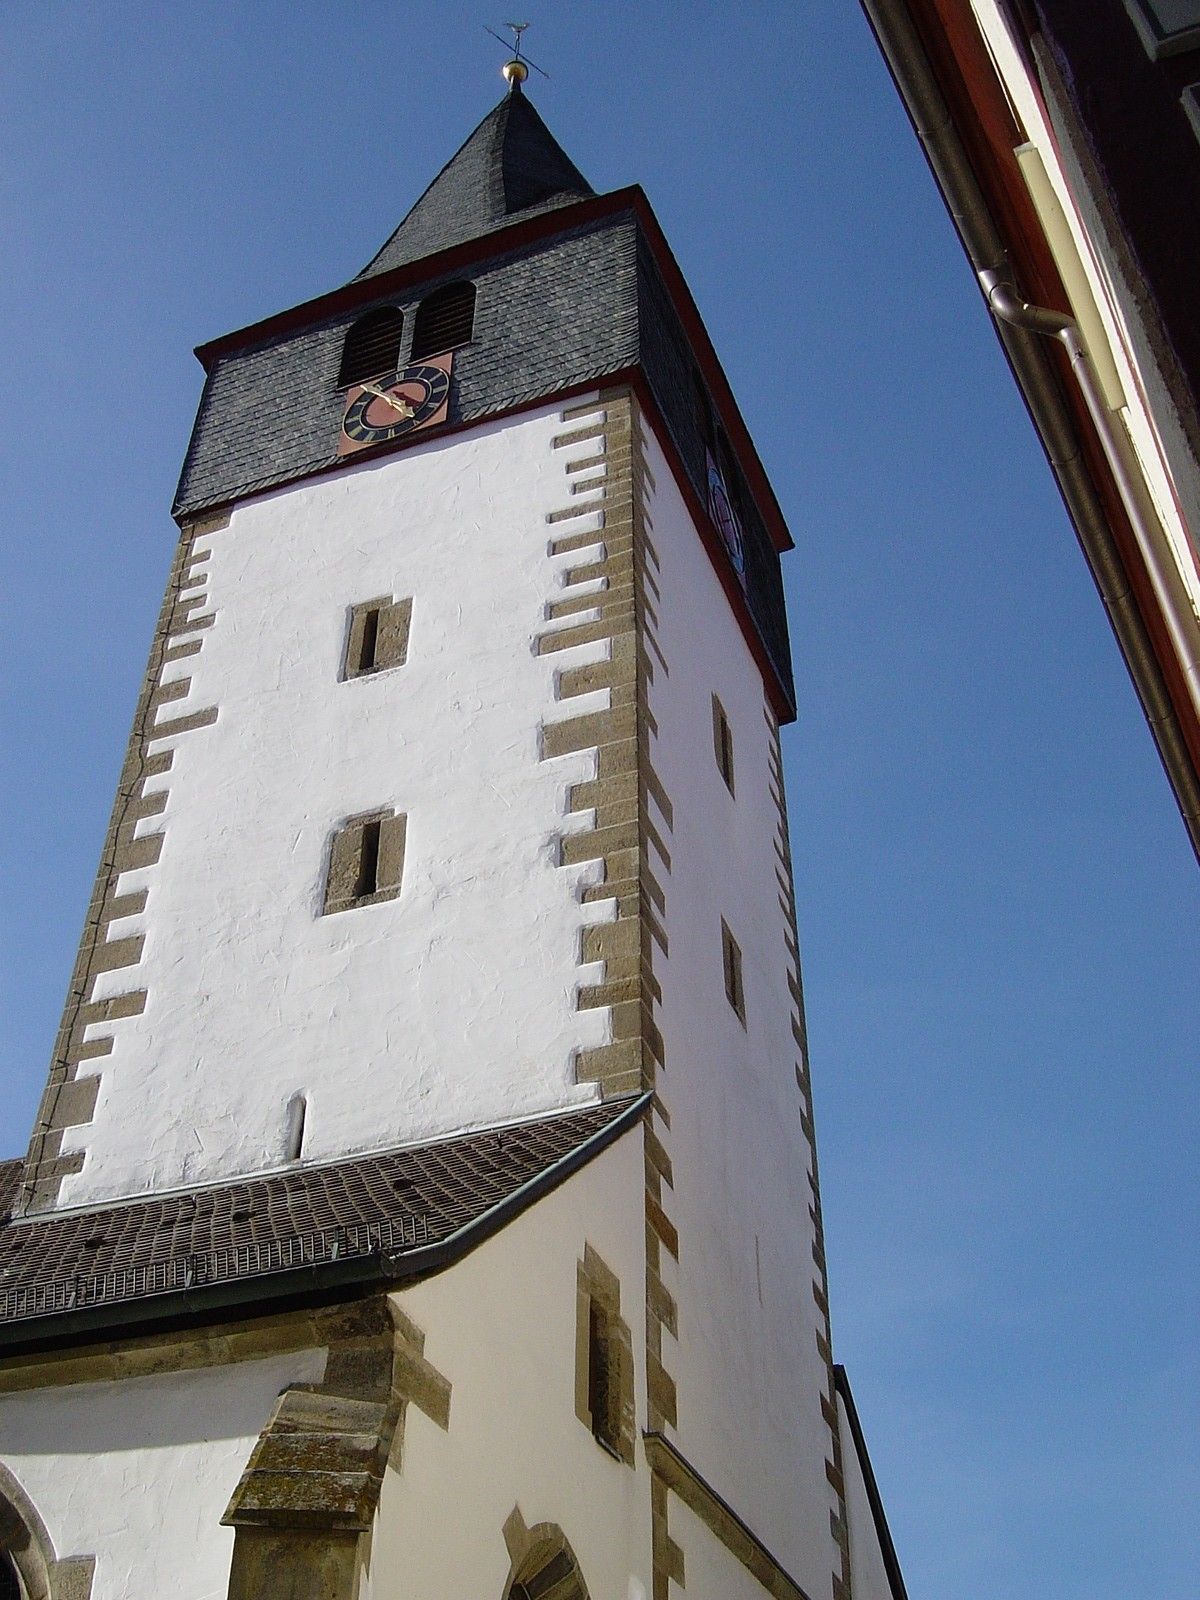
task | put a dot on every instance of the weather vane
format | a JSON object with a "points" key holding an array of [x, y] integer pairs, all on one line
{"points": [[516, 70]]}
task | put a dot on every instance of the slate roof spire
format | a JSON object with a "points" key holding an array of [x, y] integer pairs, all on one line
{"points": [[511, 167]]}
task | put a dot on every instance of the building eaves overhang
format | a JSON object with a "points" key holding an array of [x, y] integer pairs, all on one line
{"points": [[472, 1186], [530, 230]]}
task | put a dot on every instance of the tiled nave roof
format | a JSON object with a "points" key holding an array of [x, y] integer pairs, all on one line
{"points": [[408, 1210]]}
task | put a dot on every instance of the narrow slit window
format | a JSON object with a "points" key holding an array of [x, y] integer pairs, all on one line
{"points": [[600, 1404], [369, 641], [445, 319], [603, 1360], [372, 347], [297, 1111], [731, 956], [723, 743], [366, 861]]}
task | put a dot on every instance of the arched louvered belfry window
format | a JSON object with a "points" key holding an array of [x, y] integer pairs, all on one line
{"points": [[10, 1584], [444, 320], [372, 347]]}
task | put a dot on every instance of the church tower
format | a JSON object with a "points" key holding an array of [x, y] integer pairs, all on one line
{"points": [[423, 1201]]}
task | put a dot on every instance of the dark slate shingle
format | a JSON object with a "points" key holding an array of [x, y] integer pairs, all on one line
{"points": [[511, 167]]}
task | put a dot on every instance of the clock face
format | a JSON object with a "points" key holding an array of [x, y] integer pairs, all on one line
{"points": [[388, 408], [726, 518]]}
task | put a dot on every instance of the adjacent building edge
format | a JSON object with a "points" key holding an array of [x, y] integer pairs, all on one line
{"points": [[956, 137]]}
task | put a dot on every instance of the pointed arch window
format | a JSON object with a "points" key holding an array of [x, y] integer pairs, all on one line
{"points": [[29, 1567], [445, 319], [372, 347]]}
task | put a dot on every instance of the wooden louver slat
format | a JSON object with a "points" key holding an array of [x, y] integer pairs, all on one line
{"points": [[372, 347], [445, 320]]}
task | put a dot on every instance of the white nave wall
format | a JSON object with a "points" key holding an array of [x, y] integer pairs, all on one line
{"points": [[501, 1326], [139, 1472], [453, 1005], [871, 1580]]}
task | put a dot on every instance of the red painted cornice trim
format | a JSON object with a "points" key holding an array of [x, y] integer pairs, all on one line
{"points": [[363, 290]]}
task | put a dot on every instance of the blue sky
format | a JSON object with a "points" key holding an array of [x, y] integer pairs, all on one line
{"points": [[997, 900]]}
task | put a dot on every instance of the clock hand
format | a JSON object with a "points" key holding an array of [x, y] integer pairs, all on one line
{"points": [[401, 406]]}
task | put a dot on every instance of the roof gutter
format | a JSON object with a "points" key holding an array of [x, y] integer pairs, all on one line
{"points": [[904, 52], [1006, 303], [321, 1281], [883, 1533]]}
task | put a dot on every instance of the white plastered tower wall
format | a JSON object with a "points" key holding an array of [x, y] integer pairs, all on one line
{"points": [[453, 1005], [747, 1362]]}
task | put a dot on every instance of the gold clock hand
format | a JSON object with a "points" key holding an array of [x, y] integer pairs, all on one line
{"points": [[401, 406]]}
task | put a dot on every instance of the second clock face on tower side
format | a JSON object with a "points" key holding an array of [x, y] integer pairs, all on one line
{"points": [[388, 408]]}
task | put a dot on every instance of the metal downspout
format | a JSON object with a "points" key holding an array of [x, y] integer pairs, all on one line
{"points": [[1005, 302]]}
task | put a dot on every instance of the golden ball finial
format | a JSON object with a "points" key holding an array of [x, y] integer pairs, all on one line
{"points": [[514, 73]]}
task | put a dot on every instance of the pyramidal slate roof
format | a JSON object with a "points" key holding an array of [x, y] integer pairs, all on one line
{"points": [[511, 167]]}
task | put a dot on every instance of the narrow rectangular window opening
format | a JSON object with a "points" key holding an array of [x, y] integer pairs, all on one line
{"points": [[732, 961], [370, 640], [368, 860], [599, 1386], [603, 1360], [377, 636], [723, 743]]}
